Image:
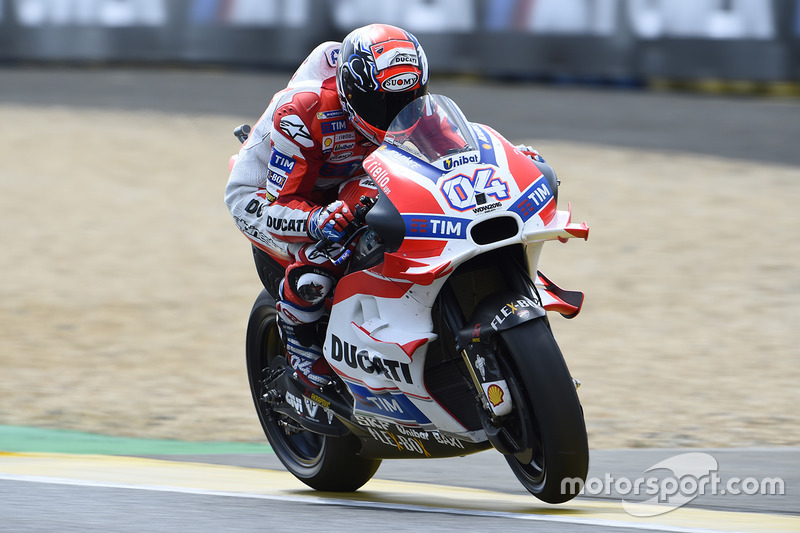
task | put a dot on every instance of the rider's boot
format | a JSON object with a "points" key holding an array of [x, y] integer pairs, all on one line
{"points": [[304, 344]]}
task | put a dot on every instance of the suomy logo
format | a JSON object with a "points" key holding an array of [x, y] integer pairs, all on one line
{"points": [[400, 82]]}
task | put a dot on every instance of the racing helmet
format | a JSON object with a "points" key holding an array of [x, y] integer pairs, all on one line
{"points": [[380, 69]]}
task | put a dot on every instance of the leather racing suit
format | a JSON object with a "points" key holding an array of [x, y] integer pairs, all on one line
{"points": [[296, 157]]}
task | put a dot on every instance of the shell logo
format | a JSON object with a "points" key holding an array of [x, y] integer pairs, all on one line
{"points": [[495, 394]]}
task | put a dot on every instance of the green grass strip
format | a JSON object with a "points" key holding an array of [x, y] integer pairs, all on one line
{"points": [[28, 439]]}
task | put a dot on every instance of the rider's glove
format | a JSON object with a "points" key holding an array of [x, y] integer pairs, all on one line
{"points": [[530, 152], [330, 223]]}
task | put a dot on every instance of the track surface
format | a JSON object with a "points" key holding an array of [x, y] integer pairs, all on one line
{"points": [[34, 496], [44, 492]]}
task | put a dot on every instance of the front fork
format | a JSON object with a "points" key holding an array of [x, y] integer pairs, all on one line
{"points": [[492, 387], [477, 342]]}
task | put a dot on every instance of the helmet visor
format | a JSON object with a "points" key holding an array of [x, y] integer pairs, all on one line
{"points": [[379, 108]]}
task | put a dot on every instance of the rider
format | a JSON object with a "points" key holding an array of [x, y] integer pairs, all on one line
{"points": [[312, 138]]}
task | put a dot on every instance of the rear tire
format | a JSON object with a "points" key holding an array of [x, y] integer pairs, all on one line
{"points": [[321, 462], [547, 420]]}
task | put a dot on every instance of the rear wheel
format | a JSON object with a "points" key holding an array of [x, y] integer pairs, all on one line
{"points": [[547, 421], [321, 462]]}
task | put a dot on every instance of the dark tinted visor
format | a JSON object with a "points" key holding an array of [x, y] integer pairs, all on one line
{"points": [[379, 108]]}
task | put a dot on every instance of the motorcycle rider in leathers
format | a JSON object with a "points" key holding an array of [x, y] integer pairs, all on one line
{"points": [[313, 137]]}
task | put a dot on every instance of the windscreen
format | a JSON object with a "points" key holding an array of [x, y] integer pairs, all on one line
{"points": [[431, 127]]}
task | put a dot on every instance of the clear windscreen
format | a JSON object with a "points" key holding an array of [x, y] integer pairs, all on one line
{"points": [[431, 127]]}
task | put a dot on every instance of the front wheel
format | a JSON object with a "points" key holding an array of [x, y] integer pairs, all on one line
{"points": [[547, 421], [321, 462]]}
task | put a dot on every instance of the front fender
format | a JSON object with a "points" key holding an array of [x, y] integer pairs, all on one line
{"points": [[498, 312]]}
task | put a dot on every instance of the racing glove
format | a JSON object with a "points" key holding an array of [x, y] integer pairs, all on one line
{"points": [[530, 152], [330, 223]]}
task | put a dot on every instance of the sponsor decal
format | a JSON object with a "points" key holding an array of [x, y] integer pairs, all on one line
{"points": [[277, 179], [533, 199], [346, 136], [295, 402], [332, 56], [487, 151], [383, 404], [340, 156], [436, 227], [487, 207], [311, 408], [327, 143], [401, 436], [411, 432], [335, 113], [499, 396], [461, 190], [295, 129], [476, 333], [400, 442], [367, 182], [333, 126], [495, 394], [378, 174], [368, 421], [285, 225], [369, 363], [451, 162], [254, 207], [260, 236], [400, 82], [519, 308], [392, 53], [319, 400], [480, 134], [304, 406], [344, 146], [281, 161], [480, 365], [446, 440]]}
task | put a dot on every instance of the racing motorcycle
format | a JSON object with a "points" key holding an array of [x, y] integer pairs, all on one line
{"points": [[438, 333]]}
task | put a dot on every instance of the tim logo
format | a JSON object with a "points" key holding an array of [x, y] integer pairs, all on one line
{"points": [[281, 161], [436, 227], [333, 126], [533, 199]]}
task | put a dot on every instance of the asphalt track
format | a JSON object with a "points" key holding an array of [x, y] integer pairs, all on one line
{"points": [[246, 492], [249, 492], [758, 129]]}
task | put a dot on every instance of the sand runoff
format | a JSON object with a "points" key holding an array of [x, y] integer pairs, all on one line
{"points": [[126, 287]]}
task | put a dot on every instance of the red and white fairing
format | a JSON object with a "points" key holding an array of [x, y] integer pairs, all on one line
{"points": [[461, 190]]}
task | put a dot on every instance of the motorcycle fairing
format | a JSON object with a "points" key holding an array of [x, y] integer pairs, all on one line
{"points": [[392, 405], [554, 298], [427, 239]]}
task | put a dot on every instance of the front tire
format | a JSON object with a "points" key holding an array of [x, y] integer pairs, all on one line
{"points": [[321, 462], [547, 419]]}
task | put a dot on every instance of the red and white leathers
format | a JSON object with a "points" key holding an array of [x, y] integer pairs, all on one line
{"points": [[295, 159], [297, 155]]}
